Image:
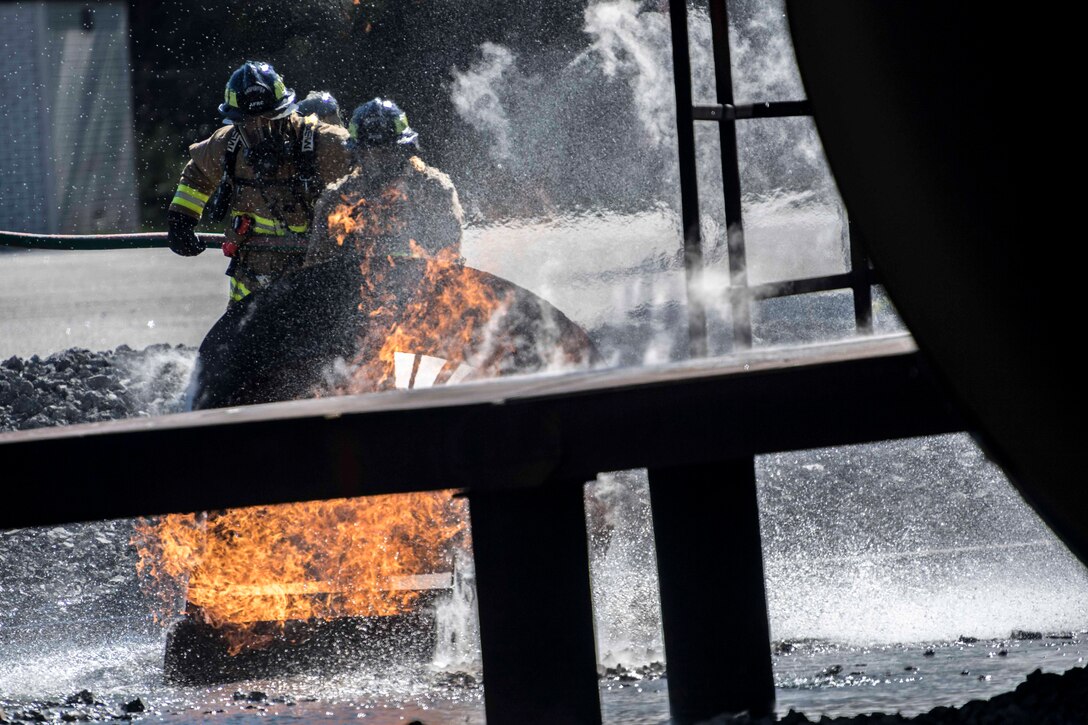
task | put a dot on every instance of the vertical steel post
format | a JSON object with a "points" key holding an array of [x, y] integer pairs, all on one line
{"points": [[536, 611], [862, 284], [727, 139], [713, 601], [689, 183]]}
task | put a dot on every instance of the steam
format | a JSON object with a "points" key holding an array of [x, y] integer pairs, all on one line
{"points": [[583, 167], [633, 46], [626, 599], [477, 96], [457, 619]]}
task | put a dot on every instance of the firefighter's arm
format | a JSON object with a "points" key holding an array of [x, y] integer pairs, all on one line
{"points": [[194, 189], [185, 211], [200, 177]]}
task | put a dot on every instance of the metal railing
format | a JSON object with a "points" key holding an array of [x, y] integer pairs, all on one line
{"points": [[726, 113]]}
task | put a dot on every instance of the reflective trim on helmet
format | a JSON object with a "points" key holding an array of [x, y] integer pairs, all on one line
{"points": [[401, 123], [279, 88]]}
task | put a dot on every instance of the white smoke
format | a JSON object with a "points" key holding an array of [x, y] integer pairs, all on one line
{"points": [[634, 45], [763, 63], [477, 96]]}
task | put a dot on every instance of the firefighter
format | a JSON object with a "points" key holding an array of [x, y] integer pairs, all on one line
{"points": [[324, 104], [392, 203], [260, 175]]}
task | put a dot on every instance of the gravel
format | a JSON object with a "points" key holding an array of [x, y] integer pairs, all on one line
{"points": [[1041, 699], [80, 386]]}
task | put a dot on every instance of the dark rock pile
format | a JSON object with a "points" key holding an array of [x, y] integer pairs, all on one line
{"points": [[80, 386], [83, 706], [1042, 699]]}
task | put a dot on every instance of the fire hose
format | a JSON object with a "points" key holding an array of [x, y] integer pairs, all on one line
{"points": [[139, 240]]}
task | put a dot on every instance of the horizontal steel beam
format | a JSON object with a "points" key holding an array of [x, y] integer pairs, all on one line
{"points": [[810, 285], [494, 435], [769, 109]]}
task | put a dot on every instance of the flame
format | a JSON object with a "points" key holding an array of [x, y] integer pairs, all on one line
{"points": [[242, 567], [447, 317], [364, 219]]}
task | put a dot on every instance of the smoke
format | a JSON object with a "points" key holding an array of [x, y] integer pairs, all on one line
{"points": [[477, 96], [632, 46]]}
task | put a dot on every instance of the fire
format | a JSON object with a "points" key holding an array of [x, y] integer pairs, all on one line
{"points": [[446, 318], [321, 559], [363, 218], [425, 319]]}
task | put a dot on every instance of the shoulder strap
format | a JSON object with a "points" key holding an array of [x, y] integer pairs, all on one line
{"points": [[230, 156], [307, 165]]}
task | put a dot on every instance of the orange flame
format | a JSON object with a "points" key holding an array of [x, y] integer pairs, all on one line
{"points": [[318, 559], [446, 318], [364, 219], [240, 568]]}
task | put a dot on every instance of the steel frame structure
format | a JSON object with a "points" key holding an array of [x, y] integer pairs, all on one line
{"points": [[521, 449]]}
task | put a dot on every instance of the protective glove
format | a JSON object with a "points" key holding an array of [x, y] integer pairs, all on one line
{"points": [[182, 235]]}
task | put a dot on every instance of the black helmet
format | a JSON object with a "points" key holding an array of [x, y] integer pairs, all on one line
{"points": [[379, 122], [256, 89], [323, 104]]}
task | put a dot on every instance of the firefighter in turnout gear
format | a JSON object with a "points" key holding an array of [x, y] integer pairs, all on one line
{"points": [[259, 175], [392, 203]]}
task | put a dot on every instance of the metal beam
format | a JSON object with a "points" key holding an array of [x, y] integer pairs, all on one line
{"points": [[533, 593], [689, 178], [713, 602], [495, 435], [740, 305]]}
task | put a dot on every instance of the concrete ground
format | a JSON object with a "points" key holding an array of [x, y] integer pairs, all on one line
{"points": [[52, 301]]}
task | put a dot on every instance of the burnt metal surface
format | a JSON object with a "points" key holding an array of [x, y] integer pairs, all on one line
{"points": [[286, 341], [197, 653]]}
